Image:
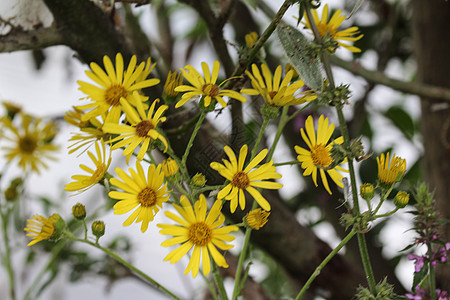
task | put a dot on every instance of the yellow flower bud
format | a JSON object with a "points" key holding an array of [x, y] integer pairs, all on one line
{"points": [[98, 228], [401, 199], [256, 218], [251, 38], [173, 80], [198, 180], [79, 211], [367, 191], [169, 167]]}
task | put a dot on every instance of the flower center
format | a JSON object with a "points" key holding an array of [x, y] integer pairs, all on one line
{"points": [[272, 94], [27, 144], [200, 234], [210, 89], [241, 180], [147, 197], [142, 128], [320, 156], [324, 29], [114, 93]]}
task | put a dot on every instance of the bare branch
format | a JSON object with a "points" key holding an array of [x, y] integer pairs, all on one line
{"points": [[416, 88], [18, 39]]}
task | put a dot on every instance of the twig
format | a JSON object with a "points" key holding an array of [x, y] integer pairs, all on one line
{"points": [[17, 40], [416, 88]]}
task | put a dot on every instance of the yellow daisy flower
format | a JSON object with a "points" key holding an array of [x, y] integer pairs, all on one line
{"points": [[199, 230], [30, 144], [276, 93], [41, 228], [147, 194], [90, 130], [82, 183], [257, 218], [319, 156], [245, 179], [205, 87], [389, 171], [113, 85], [331, 28], [142, 128]]}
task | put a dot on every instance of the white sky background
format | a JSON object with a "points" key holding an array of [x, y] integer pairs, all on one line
{"points": [[53, 90]]}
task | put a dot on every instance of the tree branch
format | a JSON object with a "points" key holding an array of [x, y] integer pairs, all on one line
{"points": [[416, 88], [18, 39]]}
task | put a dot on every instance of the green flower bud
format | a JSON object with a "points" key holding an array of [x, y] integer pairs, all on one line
{"points": [[367, 191], [401, 199], [79, 211], [59, 225], [11, 193], [270, 112], [198, 180], [98, 228]]}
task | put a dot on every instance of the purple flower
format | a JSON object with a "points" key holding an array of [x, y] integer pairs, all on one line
{"points": [[419, 262]]}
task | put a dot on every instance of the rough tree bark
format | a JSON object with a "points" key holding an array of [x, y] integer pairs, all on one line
{"points": [[431, 23]]}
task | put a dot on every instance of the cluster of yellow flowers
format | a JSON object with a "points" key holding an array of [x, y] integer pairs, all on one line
{"points": [[119, 115]]}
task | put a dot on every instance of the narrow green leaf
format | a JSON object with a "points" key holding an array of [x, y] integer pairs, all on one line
{"points": [[252, 3], [402, 120], [358, 4], [295, 46]]}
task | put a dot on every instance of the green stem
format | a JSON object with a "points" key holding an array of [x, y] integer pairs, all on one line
{"points": [[386, 214], [248, 58], [324, 263], [8, 265], [281, 125], [237, 281], [126, 264], [191, 140], [56, 250], [219, 283], [210, 286], [260, 135], [294, 162], [343, 126]]}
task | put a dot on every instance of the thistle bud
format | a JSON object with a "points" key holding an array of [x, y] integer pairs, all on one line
{"points": [[79, 211]]}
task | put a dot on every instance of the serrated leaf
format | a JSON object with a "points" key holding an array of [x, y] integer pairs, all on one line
{"points": [[295, 46], [358, 4], [402, 120]]}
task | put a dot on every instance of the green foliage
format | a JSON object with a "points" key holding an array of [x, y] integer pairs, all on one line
{"points": [[402, 120], [296, 47]]}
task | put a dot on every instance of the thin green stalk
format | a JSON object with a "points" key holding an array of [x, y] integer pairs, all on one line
{"points": [[210, 286], [194, 134], [237, 281], [260, 135], [8, 265], [219, 283], [386, 214], [248, 58], [324, 263], [55, 253], [281, 125], [294, 162], [343, 125], [126, 264]]}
